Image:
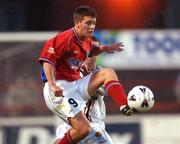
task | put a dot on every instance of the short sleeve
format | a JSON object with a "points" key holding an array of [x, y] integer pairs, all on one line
{"points": [[52, 50], [93, 48]]}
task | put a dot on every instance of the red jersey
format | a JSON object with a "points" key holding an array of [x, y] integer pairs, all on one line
{"points": [[66, 52]]}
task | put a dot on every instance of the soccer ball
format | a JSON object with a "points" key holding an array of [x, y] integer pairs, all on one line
{"points": [[140, 98]]}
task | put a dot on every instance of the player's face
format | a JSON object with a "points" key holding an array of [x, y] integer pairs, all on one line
{"points": [[86, 26]]}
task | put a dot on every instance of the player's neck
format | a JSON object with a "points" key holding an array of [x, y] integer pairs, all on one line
{"points": [[80, 36]]}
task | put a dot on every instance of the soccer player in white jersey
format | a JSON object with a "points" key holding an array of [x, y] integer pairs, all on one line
{"points": [[95, 109]]}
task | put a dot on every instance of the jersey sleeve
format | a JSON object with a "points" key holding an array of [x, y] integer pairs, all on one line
{"points": [[52, 51], [91, 47]]}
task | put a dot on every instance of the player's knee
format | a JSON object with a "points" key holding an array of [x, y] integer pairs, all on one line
{"points": [[85, 130], [106, 72]]}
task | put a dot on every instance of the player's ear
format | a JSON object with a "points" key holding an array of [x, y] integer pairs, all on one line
{"points": [[78, 24]]}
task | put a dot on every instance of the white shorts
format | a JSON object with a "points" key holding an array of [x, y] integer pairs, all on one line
{"points": [[75, 96]]}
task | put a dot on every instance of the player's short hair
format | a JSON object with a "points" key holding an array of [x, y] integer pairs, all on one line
{"points": [[83, 11]]}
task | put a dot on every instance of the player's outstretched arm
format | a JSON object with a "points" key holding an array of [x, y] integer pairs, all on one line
{"points": [[108, 48]]}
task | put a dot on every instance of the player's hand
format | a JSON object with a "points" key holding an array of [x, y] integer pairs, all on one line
{"points": [[88, 65], [126, 110], [57, 91], [114, 47], [84, 70]]}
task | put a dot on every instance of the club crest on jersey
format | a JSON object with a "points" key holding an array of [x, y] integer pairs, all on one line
{"points": [[74, 63], [51, 50]]}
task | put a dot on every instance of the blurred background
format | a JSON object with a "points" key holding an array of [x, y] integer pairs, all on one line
{"points": [[150, 31]]}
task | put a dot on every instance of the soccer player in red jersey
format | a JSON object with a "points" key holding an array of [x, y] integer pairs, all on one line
{"points": [[65, 92], [95, 109]]}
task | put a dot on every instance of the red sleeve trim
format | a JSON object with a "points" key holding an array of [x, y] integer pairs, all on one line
{"points": [[41, 60]]}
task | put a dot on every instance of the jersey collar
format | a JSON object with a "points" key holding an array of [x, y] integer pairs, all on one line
{"points": [[77, 35]]}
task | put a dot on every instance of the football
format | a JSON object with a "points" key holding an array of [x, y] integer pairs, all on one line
{"points": [[140, 98]]}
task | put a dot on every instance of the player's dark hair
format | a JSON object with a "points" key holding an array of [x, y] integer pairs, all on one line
{"points": [[83, 11]]}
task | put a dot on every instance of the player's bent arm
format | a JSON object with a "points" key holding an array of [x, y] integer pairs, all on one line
{"points": [[49, 72]]}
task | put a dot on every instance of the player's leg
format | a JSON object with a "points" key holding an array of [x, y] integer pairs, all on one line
{"points": [[74, 135], [109, 79], [69, 109], [80, 129]]}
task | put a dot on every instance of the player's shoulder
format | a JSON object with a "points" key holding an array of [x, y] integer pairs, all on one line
{"points": [[66, 34], [61, 37]]}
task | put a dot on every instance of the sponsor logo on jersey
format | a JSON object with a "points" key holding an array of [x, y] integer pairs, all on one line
{"points": [[76, 52], [74, 63]]}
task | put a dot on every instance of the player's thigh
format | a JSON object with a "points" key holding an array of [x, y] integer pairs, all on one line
{"points": [[99, 78]]}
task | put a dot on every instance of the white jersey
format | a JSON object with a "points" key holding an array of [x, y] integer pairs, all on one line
{"points": [[95, 109]]}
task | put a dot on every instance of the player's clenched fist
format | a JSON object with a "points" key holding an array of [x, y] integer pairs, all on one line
{"points": [[57, 91]]}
